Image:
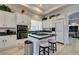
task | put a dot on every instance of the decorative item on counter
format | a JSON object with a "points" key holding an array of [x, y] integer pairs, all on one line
{"points": [[5, 8]]}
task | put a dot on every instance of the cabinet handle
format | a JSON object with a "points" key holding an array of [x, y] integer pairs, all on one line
{"points": [[2, 40]]}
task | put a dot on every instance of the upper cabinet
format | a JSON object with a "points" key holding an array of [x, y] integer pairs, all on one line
{"points": [[10, 20], [2, 18], [7, 19], [23, 19], [47, 23], [44, 24], [19, 18]]}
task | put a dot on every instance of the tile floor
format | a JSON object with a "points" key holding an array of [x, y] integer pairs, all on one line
{"points": [[71, 49]]}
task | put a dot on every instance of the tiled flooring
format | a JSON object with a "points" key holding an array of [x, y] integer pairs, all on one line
{"points": [[72, 49]]}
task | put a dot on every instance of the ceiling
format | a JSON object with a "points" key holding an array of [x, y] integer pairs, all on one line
{"points": [[49, 6], [43, 9]]}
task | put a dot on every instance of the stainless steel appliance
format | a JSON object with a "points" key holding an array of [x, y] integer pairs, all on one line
{"points": [[22, 31]]}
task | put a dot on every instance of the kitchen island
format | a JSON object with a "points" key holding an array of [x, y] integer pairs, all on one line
{"points": [[36, 38]]}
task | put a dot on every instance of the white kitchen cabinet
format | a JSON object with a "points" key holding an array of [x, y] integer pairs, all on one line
{"points": [[10, 20], [1, 42], [2, 18], [44, 24], [22, 19], [47, 23], [8, 41], [12, 40], [7, 19]]}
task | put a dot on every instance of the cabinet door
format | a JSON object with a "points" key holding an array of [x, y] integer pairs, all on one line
{"points": [[19, 18], [10, 20], [47, 23], [50, 23], [44, 24], [13, 40], [2, 18], [6, 43], [1, 42], [24, 19], [10, 41]]}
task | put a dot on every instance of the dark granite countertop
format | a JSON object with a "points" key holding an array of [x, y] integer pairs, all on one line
{"points": [[5, 34], [41, 36]]}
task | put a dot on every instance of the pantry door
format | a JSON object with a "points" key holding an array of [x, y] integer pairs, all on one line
{"points": [[59, 32]]}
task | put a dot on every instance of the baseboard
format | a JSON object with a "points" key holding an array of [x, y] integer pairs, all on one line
{"points": [[60, 43]]}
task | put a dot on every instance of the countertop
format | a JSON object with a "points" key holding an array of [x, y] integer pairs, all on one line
{"points": [[5, 34], [41, 36]]}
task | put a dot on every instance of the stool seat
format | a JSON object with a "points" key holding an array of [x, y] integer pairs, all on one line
{"points": [[53, 44], [52, 40], [46, 44]]}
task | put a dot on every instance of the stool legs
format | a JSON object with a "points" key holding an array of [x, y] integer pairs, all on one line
{"points": [[39, 50], [53, 47], [44, 50], [48, 50]]}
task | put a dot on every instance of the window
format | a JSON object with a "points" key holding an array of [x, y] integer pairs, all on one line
{"points": [[36, 25]]}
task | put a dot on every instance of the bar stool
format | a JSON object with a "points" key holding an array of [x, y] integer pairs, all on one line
{"points": [[53, 46], [45, 48]]}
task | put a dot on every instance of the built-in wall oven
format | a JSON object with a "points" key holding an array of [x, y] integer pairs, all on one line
{"points": [[22, 31]]}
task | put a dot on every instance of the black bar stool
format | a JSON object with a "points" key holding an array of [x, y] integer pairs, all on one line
{"points": [[53, 46], [44, 47]]}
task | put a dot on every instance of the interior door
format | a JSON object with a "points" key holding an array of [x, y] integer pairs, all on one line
{"points": [[59, 32]]}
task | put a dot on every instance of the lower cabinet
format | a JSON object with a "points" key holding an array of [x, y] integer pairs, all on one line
{"points": [[1, 42], [8, 42]]}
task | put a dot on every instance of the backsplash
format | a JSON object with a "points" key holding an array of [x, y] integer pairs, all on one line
{"points": [[4, 30]]}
